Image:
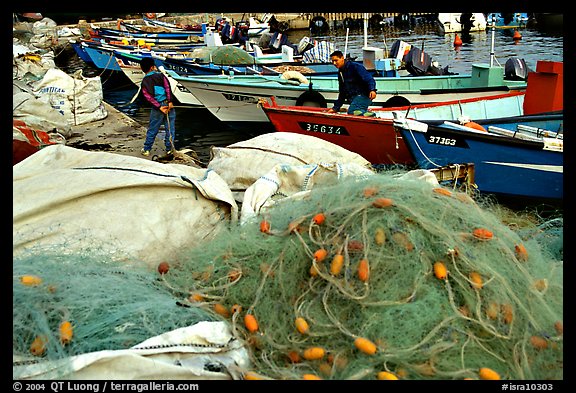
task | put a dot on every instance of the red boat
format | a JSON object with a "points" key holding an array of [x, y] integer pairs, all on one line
{"points": [[375, 138]]}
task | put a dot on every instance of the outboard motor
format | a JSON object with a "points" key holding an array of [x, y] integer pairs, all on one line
{"points": [[516, 69], [417, 62]]}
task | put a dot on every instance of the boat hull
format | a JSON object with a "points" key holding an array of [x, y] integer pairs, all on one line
{"points": [[237, 99], [502, 166], [374, 139], [131, 68], [456, 22]]}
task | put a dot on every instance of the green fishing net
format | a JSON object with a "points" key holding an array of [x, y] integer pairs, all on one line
{"points": [[110, 306], [499, 306], [223, 55]]}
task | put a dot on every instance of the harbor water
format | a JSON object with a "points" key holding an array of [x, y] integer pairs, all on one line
{"points": [[198, 129]]}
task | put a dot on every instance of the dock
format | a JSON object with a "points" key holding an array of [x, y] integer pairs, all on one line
{"points": [[292, 21]]}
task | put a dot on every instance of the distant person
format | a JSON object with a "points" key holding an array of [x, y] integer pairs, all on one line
{"points": [[356, 86], [156, 91]]}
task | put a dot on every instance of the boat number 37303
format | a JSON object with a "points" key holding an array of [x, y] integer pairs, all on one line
{"points": [[440, 140], [446, 141], [323, 128]]}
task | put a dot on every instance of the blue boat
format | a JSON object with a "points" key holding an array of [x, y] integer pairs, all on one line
{"points": [[101, 58], [188, 66], [157, 38], [101, 55], [515, 157]]}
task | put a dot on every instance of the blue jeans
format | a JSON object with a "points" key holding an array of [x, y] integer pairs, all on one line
{"points": [[157, 118], [359, 103]]}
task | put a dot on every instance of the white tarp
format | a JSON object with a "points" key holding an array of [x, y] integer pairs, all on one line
{"points": [[193, 352], [78, 98], [242, 163], [290, 180], [71, 201]]}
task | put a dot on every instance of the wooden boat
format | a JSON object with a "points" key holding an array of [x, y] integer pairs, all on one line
{"points": [[101, 54], [131, 68], [507, 161], [168, 25], [186, 37], [192, 66], [375, 138], [236, 99]]}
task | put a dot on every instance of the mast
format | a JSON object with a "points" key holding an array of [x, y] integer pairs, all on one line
{"points": [[492, 44], [365, 30]]}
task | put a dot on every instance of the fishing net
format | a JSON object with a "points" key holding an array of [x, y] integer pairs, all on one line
{"points": [[109, 305], [432, 285], [223, 55]]}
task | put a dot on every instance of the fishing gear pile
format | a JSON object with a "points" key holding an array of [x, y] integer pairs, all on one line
{"points": [[64, 306], [223, 55], [369, 278], [383, 278]]}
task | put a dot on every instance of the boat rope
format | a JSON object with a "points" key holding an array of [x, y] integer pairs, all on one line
{"points": [[456, 166], [420, 149], [170, 131]]}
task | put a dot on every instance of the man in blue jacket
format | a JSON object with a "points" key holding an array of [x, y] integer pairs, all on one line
{"points": [[356, 86]]}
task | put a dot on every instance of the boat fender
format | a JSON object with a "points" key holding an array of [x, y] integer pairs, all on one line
{"points": [[475, 126], [294, 75]]}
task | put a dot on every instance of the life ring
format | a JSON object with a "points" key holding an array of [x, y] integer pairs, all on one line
{"points": [[150, 15], [294, 75], [312, 98]]}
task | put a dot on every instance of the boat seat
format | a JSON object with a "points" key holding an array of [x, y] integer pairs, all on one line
{"points": [[540, 132], [512, 134]]}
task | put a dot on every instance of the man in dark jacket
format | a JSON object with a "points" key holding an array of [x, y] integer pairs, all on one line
{"points": [[157, 93], [356, 86]]}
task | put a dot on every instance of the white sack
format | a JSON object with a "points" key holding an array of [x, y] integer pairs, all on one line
{"points": [[38, 114], [71, 201], [176, 355], [78, 98], [30, 65], [242, 163]]}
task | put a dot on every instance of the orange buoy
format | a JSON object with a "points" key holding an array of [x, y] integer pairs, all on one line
{"points": [[457, 40], [517, 36]]}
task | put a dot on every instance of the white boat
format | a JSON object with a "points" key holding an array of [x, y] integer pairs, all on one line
{"points": [[133, 72], [236, 98], [257, 28], [458, 22]]}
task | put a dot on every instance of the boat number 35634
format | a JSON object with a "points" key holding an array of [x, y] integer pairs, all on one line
{"points": [[323, 128]]}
